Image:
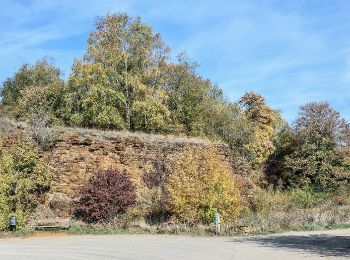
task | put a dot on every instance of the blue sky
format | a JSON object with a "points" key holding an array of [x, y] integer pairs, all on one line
{"points": [[290, 51]]}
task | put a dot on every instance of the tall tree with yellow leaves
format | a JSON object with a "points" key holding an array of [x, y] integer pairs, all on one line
{"points": [[119, 80], [263, 121]]}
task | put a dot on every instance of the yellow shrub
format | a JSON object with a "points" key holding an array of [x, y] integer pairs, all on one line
{"points": [[23, 181], [201, 184]]}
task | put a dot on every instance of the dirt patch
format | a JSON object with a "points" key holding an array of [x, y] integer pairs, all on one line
{"points": [[48, 234]]}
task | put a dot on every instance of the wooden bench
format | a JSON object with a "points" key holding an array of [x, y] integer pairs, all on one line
{"points": [[62, 223]]}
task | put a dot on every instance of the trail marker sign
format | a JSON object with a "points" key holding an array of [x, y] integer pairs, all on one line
{"points": [[217, 223]]}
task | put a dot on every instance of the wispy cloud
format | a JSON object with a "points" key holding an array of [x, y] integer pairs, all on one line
{"points": [[29, 27], [290, 51], [290, 55]]}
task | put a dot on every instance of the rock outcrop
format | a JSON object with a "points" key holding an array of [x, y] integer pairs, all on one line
{"points": [[78, 154]]}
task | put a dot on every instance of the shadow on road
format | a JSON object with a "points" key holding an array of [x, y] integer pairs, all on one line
{"points": [[323, 245]]}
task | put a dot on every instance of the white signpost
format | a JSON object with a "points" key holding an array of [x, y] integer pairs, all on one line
{"points": [[217, 223]]}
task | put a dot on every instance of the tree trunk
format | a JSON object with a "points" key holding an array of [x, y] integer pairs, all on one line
{"points": [[127, 96]]}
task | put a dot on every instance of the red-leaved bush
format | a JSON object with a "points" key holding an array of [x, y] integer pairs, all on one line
{"points": [[106, 195]]}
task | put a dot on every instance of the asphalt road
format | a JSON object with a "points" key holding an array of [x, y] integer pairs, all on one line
{"points": [[296, 245]]}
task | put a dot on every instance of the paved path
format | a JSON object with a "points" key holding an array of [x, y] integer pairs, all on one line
{"points": [[295, 245]]}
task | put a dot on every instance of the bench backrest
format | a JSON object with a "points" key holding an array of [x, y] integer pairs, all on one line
{"points": [[53, 222]]}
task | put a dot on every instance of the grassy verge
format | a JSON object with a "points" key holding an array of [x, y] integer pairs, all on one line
{"points": [[170, 230], [267, 212]]}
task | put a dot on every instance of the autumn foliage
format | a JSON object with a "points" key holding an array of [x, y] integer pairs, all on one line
{"points": [[24, 180], [126, 80], [199, 185], [106, 195]]}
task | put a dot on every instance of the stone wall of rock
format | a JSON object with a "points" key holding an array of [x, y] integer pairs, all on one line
{"points": [[79, 154]]}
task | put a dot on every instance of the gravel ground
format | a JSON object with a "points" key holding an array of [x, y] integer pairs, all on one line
{"points": [[294, 245]]}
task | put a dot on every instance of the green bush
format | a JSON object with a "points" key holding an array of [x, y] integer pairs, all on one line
{"points": [[23, 181], [313, 154], [33, 88], [306, 198]]}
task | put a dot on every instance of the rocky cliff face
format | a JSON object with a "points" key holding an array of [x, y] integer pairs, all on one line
{"points": [[79, 154]]}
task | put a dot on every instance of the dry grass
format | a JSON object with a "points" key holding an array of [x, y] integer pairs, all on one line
{"points": [[143, 137], [45, 137], [9, 126], [272, 211]]}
